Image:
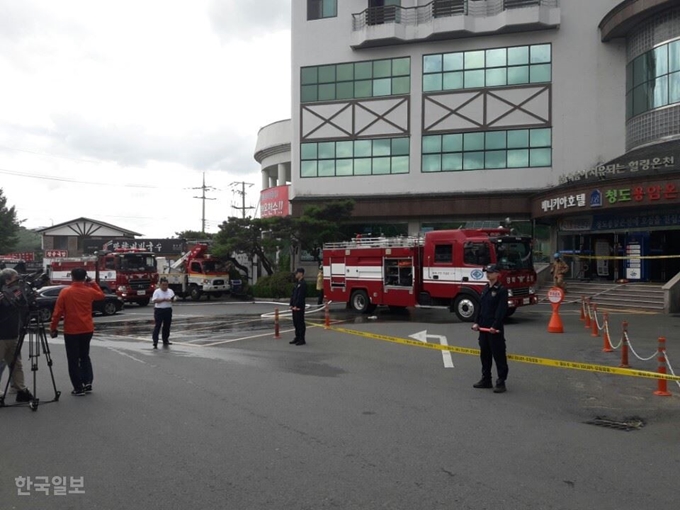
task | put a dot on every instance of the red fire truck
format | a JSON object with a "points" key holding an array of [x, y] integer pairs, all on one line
{"points": [[441, 269], [131, 274]]}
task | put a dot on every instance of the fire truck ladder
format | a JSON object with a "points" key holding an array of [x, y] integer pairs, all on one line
{"points": [[377, 242]]}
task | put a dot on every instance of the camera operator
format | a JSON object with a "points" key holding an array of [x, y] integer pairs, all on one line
{"points": [[75, 305], [13, 318]]}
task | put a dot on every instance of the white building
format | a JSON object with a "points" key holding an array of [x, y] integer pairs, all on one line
{"points": [[444, 112]]}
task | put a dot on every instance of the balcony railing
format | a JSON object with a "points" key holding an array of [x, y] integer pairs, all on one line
{"points": [[440, 9]]}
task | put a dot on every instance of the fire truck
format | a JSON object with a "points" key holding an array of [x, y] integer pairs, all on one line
{"points": [[440, 269], [195, 274], [130, 274]]}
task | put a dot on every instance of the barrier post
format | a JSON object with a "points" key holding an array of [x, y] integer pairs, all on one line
{"points": [[555, 296], [595, 331], [583, 307], [662, 388], [624, 346], [327, 316], [606, 343], [587, 318], [277, 334]]}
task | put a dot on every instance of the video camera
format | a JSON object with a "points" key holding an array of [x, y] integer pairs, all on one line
{"points": [[21, 293]]}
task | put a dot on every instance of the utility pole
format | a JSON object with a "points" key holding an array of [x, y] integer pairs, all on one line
{"points": [[204, 188], [242, 192]]}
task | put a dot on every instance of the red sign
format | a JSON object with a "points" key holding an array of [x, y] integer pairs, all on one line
{"points": [[27, 256], [274, 202], [56, 254]]}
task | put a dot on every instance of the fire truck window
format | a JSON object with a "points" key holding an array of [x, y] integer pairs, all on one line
{"points": [[476, 254], [110, 264], [443, 253], [196, 267]]}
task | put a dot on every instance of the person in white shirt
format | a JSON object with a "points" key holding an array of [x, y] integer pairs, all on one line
{"points": [[162, 299]]}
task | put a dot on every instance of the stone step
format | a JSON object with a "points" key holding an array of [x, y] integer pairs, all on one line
{"points": [[636, 296]]}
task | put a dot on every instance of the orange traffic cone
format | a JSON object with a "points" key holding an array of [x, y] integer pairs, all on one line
{"points": [[555, 324], [583, 307]]}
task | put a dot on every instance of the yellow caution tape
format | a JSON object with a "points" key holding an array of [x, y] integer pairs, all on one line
{"points": [[619, 257], [588, 367]]}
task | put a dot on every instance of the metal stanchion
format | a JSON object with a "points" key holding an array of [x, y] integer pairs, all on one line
{"points": [[277, 335], [624, 347]]}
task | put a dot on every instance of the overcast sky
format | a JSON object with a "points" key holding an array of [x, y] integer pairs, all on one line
{"points": [[112, 110]]}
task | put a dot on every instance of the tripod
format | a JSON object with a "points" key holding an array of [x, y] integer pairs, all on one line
{"points": [[34, 328]]}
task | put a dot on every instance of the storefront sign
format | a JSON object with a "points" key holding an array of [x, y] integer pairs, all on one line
{"points": [[637, 194], [26, 256], [274, 202], [579, 224], [642, 220], [165, 246], [56, 254], [564, 202], [603, 172]]}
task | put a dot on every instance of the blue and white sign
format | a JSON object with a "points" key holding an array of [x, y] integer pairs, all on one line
{"points": [[596, 198]]}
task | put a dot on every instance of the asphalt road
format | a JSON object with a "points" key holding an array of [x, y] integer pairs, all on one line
{"points": [[230, 417]]}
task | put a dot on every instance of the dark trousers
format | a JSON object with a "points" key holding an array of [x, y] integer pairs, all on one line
{"points": [[300, 326], [163, 317], [78, 355], [320, 300], [492, 347]]}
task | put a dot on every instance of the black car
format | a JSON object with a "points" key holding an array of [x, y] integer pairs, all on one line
{"points": [[47, 298]]}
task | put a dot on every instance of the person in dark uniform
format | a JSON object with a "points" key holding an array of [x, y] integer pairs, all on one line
{"points": [[492, 309], [297, 305]]}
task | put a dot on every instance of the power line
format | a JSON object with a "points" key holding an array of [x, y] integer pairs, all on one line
{"points": [[242, 192], [78, 181], [204, 188]]}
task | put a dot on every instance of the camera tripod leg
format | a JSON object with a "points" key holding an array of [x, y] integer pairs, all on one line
{"points": [[48, 357]]}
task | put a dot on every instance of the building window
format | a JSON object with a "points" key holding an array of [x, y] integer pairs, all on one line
{"points": [[653, 79], [319, 9], [355, 157], [497, 67], [517, 148], [355, 80]]}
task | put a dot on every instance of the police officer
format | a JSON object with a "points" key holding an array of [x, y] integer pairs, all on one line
{"points": [[297, 305], [492, 309]]}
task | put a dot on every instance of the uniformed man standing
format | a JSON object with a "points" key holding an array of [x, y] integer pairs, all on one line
{"points": [[297, 305], [558, 270], [492, 310]]}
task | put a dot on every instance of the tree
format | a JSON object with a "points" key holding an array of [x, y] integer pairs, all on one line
{"points": [[316, 226], [194, 235], [9, 226], [245, 235], [27, 240]]}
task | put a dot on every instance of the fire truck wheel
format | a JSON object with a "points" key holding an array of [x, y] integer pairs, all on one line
{"points": [[45, 314], [465, 307], [359, 301], [195, 293], [510, 312]]}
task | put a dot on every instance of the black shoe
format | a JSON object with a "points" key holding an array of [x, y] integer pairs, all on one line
{"points": [[500, 388], [301, 343], [155, 346], [24, 395], [293, 341], [167, 343], [483, 383], [88, 388], [78, 393]]}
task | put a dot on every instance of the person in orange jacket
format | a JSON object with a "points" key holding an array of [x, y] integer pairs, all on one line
{"points": [[74, 304]]}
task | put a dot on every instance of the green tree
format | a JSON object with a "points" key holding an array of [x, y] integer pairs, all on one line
{"points": [[245, 235], [194, 235], [316, 226], [9, 225], [28, 240]]}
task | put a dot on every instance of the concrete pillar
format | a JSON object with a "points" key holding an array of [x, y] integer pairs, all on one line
{"points": [[282, 174], [265, 179]]}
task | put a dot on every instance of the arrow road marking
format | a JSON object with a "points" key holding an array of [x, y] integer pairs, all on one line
{"points": [[422, 336]]}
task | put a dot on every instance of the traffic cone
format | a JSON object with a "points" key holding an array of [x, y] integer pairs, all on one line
{"points": [[662, 386], [595, 330], [606, 342], [555, 324], [583, 307], [587, 317]]}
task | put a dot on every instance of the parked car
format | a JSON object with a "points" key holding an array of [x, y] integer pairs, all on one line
{"points": [[46, 299]]}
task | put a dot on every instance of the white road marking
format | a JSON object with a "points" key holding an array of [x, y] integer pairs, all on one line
{"points": [[422, 336]]}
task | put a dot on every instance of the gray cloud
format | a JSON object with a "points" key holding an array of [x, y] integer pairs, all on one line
{"points": [[236, 19], [130, 145]]}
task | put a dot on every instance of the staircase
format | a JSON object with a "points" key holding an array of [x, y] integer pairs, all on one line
{"points": [[633, 296]]}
